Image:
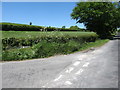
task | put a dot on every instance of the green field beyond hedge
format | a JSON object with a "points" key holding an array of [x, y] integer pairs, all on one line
{"points": [[42, 44], [34, 34]]}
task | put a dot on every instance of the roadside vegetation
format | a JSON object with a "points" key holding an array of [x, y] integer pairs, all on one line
{"points": [[118, 30], [46, 49], [20, 45]]}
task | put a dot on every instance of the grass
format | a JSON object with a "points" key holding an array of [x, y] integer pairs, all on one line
{"points": [[29, 34], [97, 43]]}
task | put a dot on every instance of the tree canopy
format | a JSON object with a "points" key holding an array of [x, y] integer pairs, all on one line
{"points": [[74, 28], [100, 17], [63, 27]]}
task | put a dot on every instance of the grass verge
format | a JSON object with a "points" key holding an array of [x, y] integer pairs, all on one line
{"points": [[97, 43], [45, 49]]}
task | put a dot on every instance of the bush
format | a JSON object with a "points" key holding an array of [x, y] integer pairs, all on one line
{"points": [[18, 54], [20, 27], [50, 29], [45, 49], [45, 45], [40, 50], [8, 43]]}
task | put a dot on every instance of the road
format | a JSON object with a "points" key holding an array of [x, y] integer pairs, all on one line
{"points": [[94, 68]]}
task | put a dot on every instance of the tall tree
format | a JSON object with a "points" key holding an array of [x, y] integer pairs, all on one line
{"points": [[100, 17], [30, 23], [63, 27]]}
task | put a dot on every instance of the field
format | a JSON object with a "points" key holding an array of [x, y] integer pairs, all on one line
{"points": [[33, 34]]}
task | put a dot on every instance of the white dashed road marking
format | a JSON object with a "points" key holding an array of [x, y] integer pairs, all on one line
{"points": [[86, 64], [68, 83], [69, 70], [76, 63], [58, 78], [81, 57], [43, 86], [79, 72]]}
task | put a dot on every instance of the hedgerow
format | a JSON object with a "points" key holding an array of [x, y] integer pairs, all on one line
{"points": [[42, 44], [46, 49], [20, 27], [12, 42], [23, 27], [40, 50]]}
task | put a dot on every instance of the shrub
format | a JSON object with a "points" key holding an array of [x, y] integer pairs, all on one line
{"points": [[19, 27], [50, 29], [40, 50], [18, 54], [47, 44], [8, 43]]}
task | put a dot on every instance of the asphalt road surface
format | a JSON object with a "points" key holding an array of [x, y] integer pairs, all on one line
{"points": [[95, 68]]}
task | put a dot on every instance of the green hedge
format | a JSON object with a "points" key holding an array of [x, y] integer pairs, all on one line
{"points": [[20, 27], [40, 50], [43, 46], [18, 54], [23, 27], [8, 43], [45, 49]]}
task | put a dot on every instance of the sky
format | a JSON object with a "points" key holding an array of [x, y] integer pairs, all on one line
{"points": [[55, 14]]}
